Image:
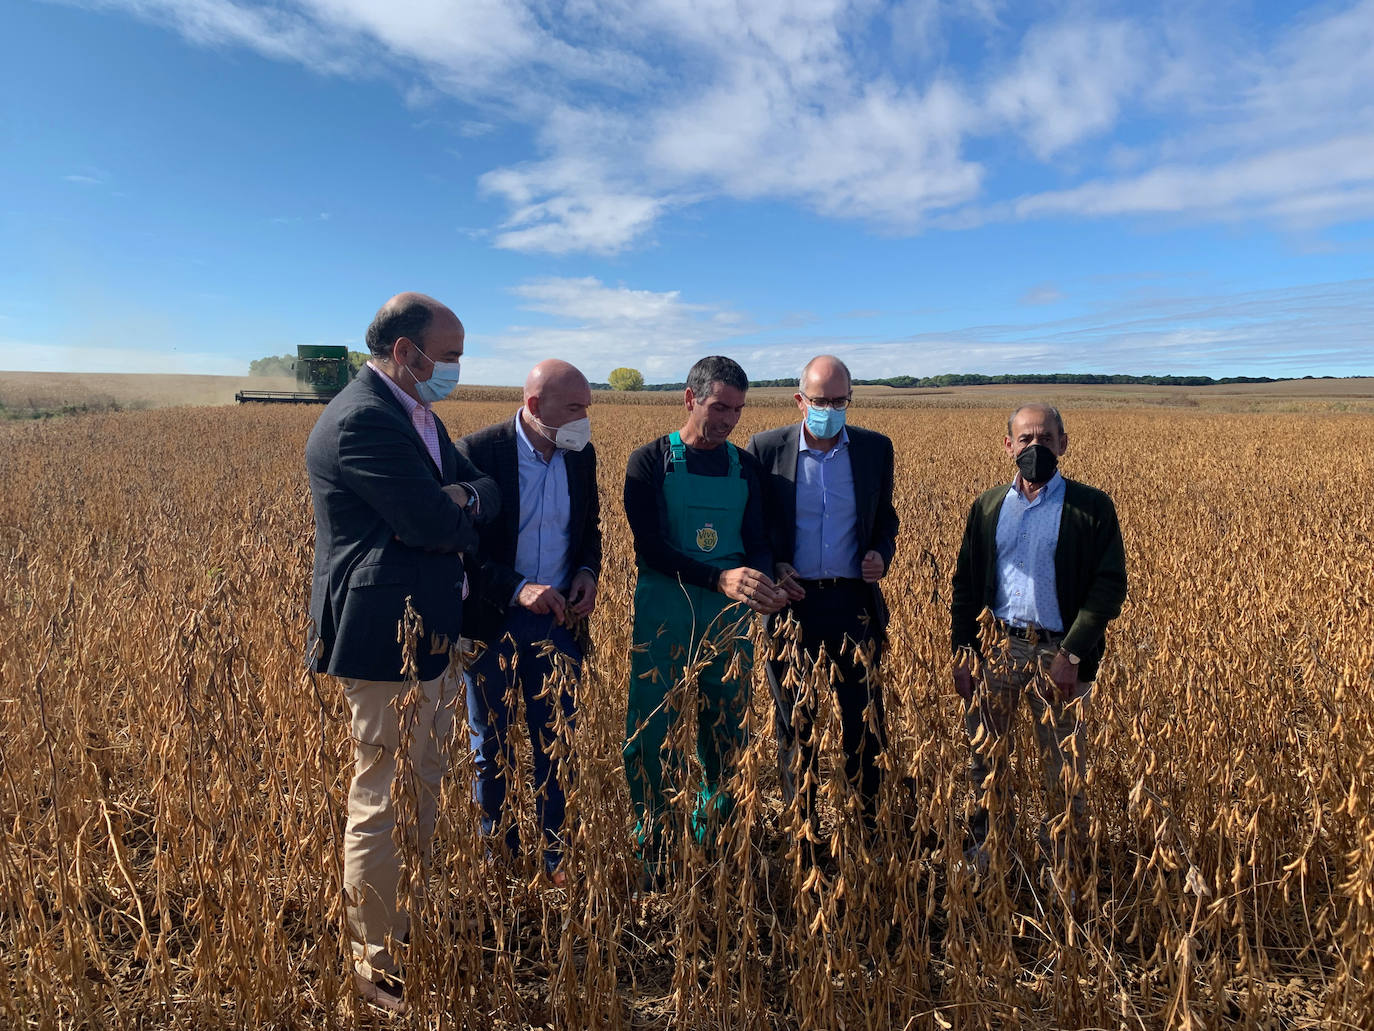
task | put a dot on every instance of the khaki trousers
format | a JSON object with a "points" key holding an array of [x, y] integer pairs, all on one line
{"points": [[371, 857], [1024, 670]]}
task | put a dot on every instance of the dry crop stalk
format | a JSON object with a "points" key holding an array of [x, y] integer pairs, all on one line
{"points": [[169, 838]]}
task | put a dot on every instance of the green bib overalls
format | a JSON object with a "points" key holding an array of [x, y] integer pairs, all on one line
{"points": [[682, 628]]}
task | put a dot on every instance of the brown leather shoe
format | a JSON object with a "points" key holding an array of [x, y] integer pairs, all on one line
{"points": [[387, 994]]}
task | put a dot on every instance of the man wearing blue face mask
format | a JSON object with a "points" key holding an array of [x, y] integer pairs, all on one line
{"points": [[1042, 568], [396, 508], [534, 588], [833, 527]]}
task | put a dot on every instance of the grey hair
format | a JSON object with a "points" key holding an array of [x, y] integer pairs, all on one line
{"points": [[1050, 409]]}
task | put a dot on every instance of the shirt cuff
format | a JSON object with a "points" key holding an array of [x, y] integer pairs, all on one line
{"points": [[515, 594]]}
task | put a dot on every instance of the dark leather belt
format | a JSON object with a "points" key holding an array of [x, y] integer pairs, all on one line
{"points": [[829, 583], [1025, 632]]}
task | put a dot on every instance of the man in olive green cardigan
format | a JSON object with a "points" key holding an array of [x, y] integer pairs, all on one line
{"points": [[1041, 572]]}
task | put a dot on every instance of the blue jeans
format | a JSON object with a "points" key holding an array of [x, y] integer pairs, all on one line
{"points": [[490, 694]]}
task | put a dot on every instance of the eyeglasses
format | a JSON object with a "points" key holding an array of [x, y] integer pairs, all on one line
{"points": [[837, 403]]}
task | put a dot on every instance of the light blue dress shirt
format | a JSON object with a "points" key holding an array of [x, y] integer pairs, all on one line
{"points": [[1027, 535], [542, 544], [827, 512]]}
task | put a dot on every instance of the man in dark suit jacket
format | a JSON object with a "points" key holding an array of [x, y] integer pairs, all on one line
{"points": [[536, 583], [834, 532], [395, 507]]}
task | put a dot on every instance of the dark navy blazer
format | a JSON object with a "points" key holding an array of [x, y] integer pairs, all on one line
{"points": [[385, 531], [493, 450], [870, 458]]}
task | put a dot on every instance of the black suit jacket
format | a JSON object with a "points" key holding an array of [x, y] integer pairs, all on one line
{"points": [[492, 449], [870, 458], [384, 531]]}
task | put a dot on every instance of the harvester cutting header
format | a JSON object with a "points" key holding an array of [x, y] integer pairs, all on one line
{"points": [[322, 370]]}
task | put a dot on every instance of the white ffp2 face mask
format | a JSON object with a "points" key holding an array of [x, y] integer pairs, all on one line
{"points": [[571, 436]]}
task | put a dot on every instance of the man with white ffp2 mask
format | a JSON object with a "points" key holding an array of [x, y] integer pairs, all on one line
{"points": [[536, 583]]}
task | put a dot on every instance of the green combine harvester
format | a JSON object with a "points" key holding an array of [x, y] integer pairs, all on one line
{"points": [[321, 372]]}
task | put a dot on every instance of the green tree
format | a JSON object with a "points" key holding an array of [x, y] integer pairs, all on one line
{"points": [[626, 379], [273, 365]]}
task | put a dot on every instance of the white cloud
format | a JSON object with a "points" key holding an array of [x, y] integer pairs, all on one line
{"points": [[600, 327], [1216, 335], [597, 220], [1069, 82], [856, 109], [1307, 183], [1042, 293]]}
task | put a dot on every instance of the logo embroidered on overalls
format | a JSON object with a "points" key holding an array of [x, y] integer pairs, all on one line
{"points": [[707, 538]]}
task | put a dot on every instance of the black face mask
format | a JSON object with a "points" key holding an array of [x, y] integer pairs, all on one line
{"points": [[1037, 463]]}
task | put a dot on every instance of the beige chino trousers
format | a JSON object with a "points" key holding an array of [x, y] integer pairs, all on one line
{"points": [[1023, 669], [372, 866]]}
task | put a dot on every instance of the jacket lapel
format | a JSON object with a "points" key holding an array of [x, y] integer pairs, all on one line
{"points": [[373, 381], [506, 471], [575, 464], [785, 465], [865, 490]]}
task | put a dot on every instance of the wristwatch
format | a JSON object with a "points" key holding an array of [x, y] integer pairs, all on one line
{"points": [[1074, 660]]}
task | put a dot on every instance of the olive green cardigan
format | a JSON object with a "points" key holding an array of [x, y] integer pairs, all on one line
{"points": [[1089, 571]]}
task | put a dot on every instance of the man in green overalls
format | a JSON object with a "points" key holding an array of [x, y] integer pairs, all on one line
{"points": [[694, 504]]}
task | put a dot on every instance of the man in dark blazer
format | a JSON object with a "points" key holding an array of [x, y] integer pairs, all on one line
{"points": [[395, 509], [1041, 572], [536, 583], [828, 489]]}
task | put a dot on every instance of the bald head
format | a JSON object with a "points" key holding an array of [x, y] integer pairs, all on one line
{"points": [[555, 376], [410, 316], [825, 376], [556, 393]]}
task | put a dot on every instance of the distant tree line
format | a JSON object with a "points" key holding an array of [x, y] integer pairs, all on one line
{"points": [[631, 379], [978, 379], [285, 364]]}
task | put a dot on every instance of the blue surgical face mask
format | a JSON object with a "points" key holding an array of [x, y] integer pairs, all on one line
{"points": [[442, 381], [824, 423]]}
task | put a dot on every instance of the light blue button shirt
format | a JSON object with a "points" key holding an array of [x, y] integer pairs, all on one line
{"points": [[542, 544], [827, 513], [1027, 535]]}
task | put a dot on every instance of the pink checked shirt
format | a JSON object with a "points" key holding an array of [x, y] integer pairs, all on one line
{"points": [[420, 415], [423, 419]]}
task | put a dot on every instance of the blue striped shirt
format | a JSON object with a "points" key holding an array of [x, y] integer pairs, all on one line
{"points": [[1027, 535], [827, 541], [542, 544]]}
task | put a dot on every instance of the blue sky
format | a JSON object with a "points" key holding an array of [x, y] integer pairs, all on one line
{"points": [[921, 187]]}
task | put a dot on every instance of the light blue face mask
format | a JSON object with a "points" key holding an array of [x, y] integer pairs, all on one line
{"points": [[824, 423], [442, 381]]}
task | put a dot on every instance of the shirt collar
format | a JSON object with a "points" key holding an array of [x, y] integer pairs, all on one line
{"points": [[1048, 491], [802, 445], [520, 434], [406, 400], [524, 439]]}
